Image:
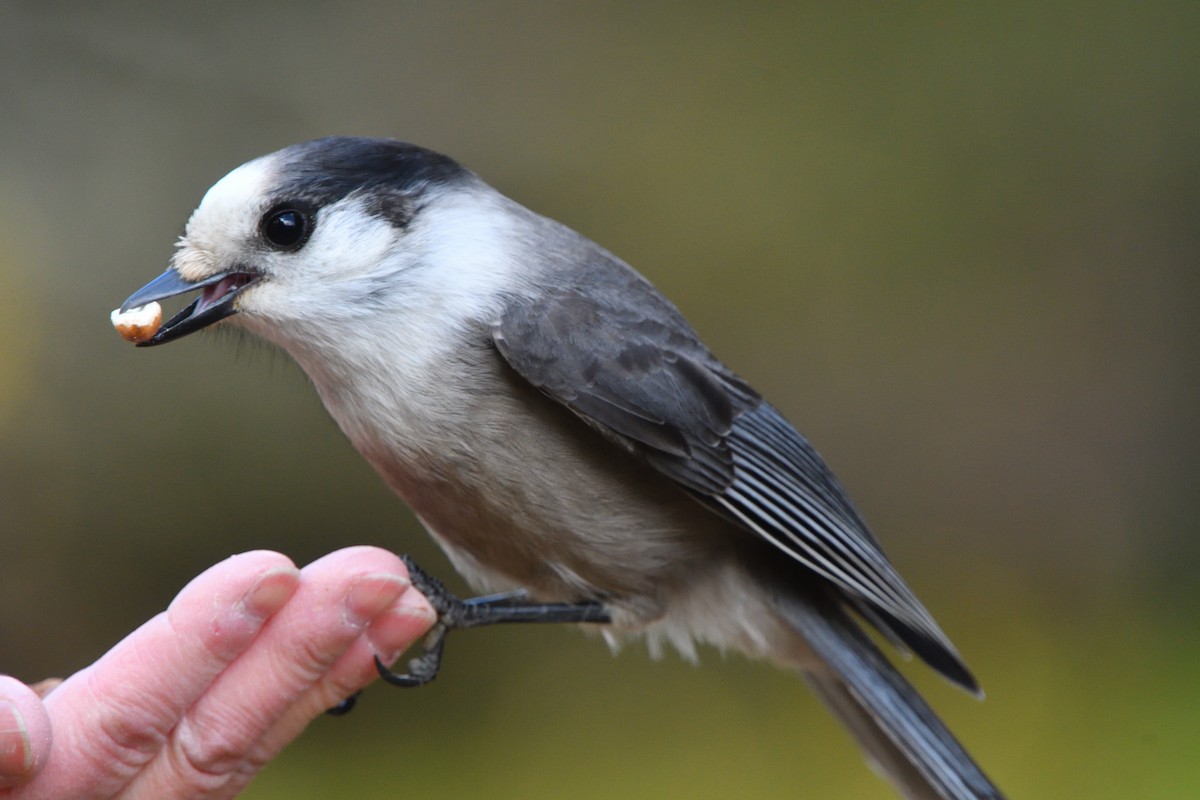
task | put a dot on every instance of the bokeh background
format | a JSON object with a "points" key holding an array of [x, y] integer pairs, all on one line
{"points": [[956, 243]]}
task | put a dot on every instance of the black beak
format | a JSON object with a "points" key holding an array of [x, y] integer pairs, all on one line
{"points": [[214, 303]]}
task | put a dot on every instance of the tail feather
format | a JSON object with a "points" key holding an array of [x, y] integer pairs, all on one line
{"points": [[889, 719], [888, 760]]}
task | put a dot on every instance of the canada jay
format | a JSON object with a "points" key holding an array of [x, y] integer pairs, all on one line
{"points": [[561, 430]]}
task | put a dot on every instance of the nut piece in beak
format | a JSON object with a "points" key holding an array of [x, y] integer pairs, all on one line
{"points": [[137, 324]]}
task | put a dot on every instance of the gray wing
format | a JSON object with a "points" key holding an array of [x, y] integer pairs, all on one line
{"points": [[623, 359]]}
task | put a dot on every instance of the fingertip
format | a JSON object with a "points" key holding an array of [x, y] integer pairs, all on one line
{"points": [[271, 591], [25, 734], [363, 557], [368, 596], [404, 623], [259, 560], [415, 603], [235, 578], [396, 630]]}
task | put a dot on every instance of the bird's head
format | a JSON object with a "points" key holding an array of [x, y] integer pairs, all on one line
{"points": [[328, 232]]}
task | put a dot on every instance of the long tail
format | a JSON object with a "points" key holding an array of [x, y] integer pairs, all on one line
{"points": [[893, 724]]}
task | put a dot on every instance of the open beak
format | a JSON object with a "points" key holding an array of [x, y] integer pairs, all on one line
{"points": [[214, 303]]}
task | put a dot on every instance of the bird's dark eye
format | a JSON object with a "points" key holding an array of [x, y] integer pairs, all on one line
{"points": [[286, 227]]}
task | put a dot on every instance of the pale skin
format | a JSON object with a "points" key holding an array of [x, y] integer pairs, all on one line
{"points": [[195, 702]]}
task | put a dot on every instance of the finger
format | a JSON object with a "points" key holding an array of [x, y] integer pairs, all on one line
{"points": [[114, 716], [392, 632], [214, 747], [25, 733]]}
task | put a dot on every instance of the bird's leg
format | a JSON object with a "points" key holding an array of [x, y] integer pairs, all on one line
{"points": [[474, 613]]}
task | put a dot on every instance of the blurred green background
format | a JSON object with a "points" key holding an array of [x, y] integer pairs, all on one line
{"points": [[956, 244]]}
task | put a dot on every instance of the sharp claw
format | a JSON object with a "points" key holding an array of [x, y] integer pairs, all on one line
{"points": [[421, 670], [347, 705], [407, 680]]}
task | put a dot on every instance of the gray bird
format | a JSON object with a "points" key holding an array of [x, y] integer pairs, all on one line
{"points": [[561, 431]]}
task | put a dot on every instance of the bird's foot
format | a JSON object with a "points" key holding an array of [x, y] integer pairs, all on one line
{"points": [[474, 613]]}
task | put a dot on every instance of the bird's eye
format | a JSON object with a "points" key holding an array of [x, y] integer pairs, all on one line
{"points": [[286, 228]]}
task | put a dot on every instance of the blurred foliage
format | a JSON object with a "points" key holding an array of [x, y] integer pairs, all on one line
{"points": [[956, 243]]}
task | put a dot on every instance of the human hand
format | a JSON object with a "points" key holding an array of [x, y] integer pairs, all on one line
{"points": [[197, 700]]}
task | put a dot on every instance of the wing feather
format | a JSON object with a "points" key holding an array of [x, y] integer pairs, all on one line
{"points": [[621, 357]]}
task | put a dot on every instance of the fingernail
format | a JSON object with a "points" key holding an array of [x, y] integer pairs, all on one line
{"points": [[16, 753], [372, 594], [270, 591], [416, 603], [392, 633]]}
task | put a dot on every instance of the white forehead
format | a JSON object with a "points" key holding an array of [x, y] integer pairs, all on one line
{"points": [[227, 215], [251, 180]]}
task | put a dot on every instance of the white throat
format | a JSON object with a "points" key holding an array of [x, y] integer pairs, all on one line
{"points": [[380, 339]]}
